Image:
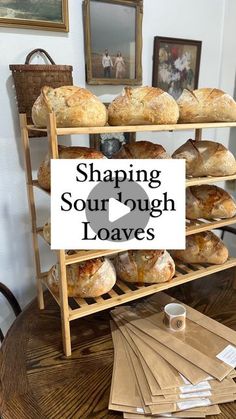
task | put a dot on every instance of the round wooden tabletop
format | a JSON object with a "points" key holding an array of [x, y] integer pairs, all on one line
{"points": [[39, 382]]}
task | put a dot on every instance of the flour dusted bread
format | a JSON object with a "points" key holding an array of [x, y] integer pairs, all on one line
{"points": [[141, 150], [143, 106], [209, 201], [65, 153], [91, 278], [206, 158], [150, 266], [206, 105], [73, 106], [203, 247]]}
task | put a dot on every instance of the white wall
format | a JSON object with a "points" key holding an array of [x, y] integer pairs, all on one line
{"points": [[204, 20]]}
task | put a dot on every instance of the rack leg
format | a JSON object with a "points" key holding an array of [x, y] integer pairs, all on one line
{"points": [[65, 322], [198, 134], [30, 193]]}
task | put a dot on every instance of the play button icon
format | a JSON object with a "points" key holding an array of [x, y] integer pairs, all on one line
{"points": [[117, 210]]}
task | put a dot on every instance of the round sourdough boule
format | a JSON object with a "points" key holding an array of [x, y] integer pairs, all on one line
{"points": [[209, 201], [203, 247], [206, 158], [143, 106], [73, 106], [91, 278], [65, 153], [206, 105], [145, 266], [141, 150]]}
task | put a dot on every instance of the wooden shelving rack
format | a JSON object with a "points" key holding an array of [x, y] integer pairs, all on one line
{"points": [[72, 309]]}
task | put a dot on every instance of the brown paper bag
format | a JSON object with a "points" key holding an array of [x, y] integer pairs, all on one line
{"points": [[186, 368], [190, 344], [210, 410]]}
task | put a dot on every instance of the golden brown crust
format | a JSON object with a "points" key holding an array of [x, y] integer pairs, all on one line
{"points": [[141, 150], [209, 201], [206, 105], [73, 106], [145, 266], [203, 247], [88, 279], [206, 158], [65, 153], [143, 106]]}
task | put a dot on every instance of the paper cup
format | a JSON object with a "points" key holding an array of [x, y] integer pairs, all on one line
{"points": [[175, 316]]}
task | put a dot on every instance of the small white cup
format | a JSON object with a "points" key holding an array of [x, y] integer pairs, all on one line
{"points": [[175, 316]]}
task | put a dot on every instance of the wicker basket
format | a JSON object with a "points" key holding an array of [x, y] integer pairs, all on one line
{"points": [[30, 78]]}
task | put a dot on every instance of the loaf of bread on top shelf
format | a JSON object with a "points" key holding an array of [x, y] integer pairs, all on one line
{"points": [[65, 153], [145, 266], [209, 201], [206, 158], [143, 106], [141, 150], [73, 106], [206, 105], [91, 278], [203, 247]]}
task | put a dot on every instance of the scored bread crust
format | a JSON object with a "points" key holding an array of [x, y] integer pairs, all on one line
{"points": [[141, 150], [145, 266], [203, 247], [206, 105], [143, 106], [44, 171], [209, 201], [206, 158], [73, 106], [91, 278]]}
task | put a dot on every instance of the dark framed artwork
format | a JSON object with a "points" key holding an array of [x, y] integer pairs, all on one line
{"points": [[113, 41], [35, 14], [176, 64]]}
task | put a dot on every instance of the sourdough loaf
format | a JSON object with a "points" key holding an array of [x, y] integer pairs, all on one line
{"points": [[91, 278], [206, 105], [203, 247], [65, 153], [143, 106], [150, 266], [73, 107], [209, 201], [206, 158], [141, 150]]}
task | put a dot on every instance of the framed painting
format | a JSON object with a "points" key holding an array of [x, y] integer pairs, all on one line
{"points": [[113, 41], [176, 64], [40, 14]]}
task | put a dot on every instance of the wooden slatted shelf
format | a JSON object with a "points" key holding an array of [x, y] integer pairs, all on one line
{"points": [[197, 226], [122, 292], [135, 128], [125, 292]]}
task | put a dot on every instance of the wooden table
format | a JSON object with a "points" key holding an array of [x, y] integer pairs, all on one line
{"points": [[38, 382]]}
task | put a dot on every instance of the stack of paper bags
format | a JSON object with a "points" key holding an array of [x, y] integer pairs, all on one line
{"points": [[161, 373]]}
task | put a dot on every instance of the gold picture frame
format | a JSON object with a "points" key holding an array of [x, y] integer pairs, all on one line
{"points": [[132, 63], [33, 23]]}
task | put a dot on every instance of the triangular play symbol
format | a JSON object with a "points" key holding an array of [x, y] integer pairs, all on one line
{"points": [[116, 210]]}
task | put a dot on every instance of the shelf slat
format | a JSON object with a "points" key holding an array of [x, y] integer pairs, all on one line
{"points": [[83, 255], [130, 294], [135, 128], [204, 225], [208, 179]]}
